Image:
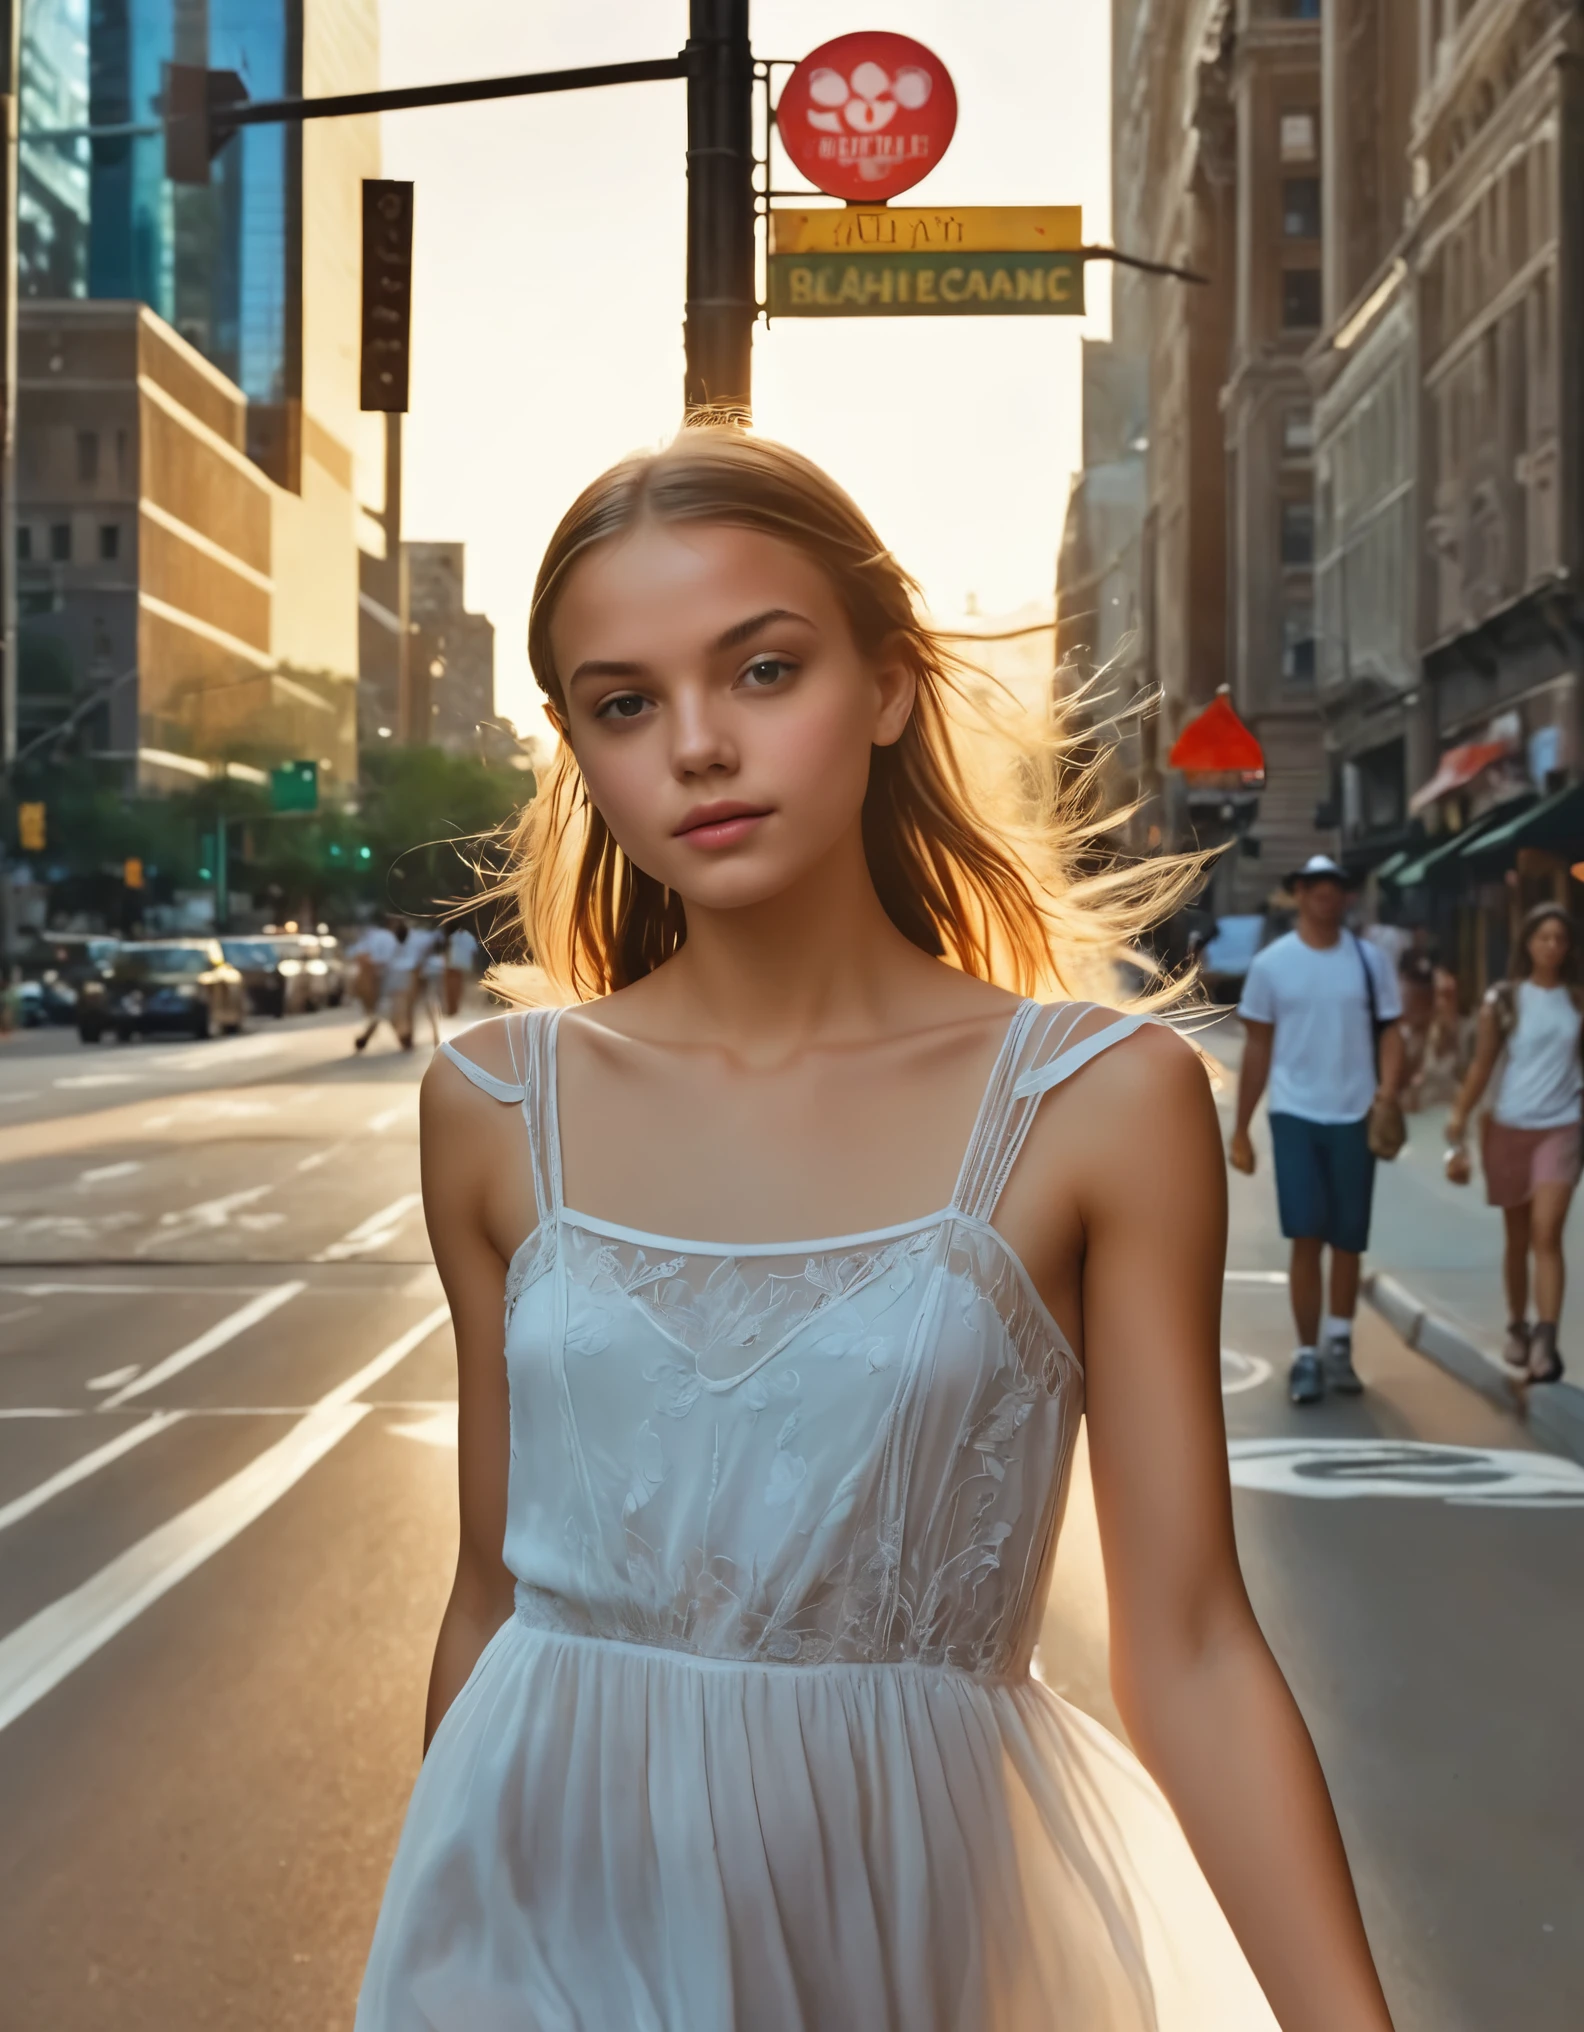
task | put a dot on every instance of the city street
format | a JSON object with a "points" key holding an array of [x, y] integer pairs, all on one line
{"points": [[226, 1528]]}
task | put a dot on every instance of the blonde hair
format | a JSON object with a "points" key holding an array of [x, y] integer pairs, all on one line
{"points": [[985, 837]]}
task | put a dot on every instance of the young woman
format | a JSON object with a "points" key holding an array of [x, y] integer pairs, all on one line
{"points": [[1530, 1140], [731, 1721]]}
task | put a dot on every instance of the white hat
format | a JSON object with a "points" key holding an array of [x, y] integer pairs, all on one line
{"points": [[1321, 868]]}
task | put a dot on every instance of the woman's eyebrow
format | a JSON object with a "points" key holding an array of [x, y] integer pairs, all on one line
{"points": [[743, 631], [595, 668]]}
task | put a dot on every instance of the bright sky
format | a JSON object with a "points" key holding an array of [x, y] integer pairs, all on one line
{"points": [[549, 268]]}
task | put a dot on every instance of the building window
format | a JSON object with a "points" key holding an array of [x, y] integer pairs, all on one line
{"points": [[1298, 646], [1300, 299], [88, 456], [24, 544], [1301, 207], [1298, 432], [60, 543], [1297, 532], [1298, 10], [109, 541], [1298, 137]]}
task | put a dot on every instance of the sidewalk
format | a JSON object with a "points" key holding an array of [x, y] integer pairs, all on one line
{"points": [[1434, 1265]]}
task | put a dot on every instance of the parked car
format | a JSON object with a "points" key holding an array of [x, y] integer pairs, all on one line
{"points": [[57, 964], [1228, 954], [337, 970], [275, 982], [175, 984], [299, 956]]}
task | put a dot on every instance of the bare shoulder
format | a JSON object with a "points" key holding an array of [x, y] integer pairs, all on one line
{"points": [[1147, 1086], [494, 1046]]}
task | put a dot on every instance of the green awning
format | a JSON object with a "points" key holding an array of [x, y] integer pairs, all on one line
{"points": [[1437, 859], [1555, 824], [1387, 871]]}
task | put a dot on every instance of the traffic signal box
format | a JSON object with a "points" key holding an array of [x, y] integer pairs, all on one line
{"points": [[31, 830], [387, 294]]}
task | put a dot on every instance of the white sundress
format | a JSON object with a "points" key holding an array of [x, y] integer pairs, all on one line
{"points": [[760, 1749]]}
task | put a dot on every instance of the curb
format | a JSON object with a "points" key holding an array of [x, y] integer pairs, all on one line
{"points": [[1554, 1412]]}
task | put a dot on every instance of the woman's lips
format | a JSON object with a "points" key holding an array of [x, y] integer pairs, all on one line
{"points": [[720, 825]]}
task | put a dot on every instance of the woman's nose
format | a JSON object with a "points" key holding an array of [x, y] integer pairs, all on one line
{"points": [[701, 741]]}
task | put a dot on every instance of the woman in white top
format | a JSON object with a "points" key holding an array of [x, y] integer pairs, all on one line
{"points": [[1530, 1143], [733, 1723]]}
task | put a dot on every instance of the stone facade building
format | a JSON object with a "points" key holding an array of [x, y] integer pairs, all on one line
{"points": [[1217, 160], [450, 698]]}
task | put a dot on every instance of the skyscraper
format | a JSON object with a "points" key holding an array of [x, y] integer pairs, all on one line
{"points": [[265, 287]]}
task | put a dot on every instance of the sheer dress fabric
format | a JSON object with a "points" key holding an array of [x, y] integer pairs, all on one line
{"points": [[760, 1749]]}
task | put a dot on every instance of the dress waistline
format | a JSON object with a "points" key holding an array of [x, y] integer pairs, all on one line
{"points": [[708, 1661]]}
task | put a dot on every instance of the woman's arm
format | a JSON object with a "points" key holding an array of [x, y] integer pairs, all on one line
{"points": [[1487, 1049], [1253, 1073], [458, 1128], [1202, 1697]]}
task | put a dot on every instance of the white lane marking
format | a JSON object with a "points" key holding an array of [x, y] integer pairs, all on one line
{"points": [[115, 1378], [388, 1118], [101, 1174], [37, 1656], [227, 1330], [438, 1429], [90, 1464], [103, 1079], [133, 1290], [373, 1233], [77, 1226], [207, 1217], [220, 1053], [1487, 1477], [1240, 1372], [315, 1158], [1254, 1277], [17, 1312], [16, 1100]]}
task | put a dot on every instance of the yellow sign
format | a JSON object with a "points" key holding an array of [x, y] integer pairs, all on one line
{"points": [[30, 828], [895, 229], [132, 874], [926, 285]]}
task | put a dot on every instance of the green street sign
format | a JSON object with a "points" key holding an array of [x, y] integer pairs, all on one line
{"points": [[942, 284], [294, 786]]}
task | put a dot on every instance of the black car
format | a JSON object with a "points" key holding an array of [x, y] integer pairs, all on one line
{"points": [[59, 964], [275, 985], [186, 985]]}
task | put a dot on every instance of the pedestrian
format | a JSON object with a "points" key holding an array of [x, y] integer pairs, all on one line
{"points": [[428, 983], [1446, 1053], [1530, 1139], [731, 1718], [1320, 1013], [384, 953], [370, 955], [461, 955]]}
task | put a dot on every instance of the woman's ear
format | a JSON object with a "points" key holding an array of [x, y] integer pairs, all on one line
{"points": [[896, 684]]}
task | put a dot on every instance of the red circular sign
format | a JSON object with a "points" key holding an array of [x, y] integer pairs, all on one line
{"points": [[868, 115]]}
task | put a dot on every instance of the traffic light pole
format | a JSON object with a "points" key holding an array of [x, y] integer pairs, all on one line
{"points": [[721, 305], [203, 109]]}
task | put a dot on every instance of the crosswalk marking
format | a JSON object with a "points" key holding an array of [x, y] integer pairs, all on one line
{"points": [[373, 1233], [36, 1657]]}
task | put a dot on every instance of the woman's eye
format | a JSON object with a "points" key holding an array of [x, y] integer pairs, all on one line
{"points": [[765, 671], [626, 705]]}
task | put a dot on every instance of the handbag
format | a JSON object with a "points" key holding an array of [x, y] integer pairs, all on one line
{"points": [[1388, 1126]]}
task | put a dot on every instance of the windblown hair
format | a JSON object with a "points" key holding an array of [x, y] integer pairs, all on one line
{"points": [[984, 831]]}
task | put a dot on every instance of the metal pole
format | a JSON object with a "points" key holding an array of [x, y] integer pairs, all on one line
{"points": [[718, 333]]}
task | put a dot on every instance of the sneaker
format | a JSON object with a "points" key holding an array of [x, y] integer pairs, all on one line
{"points": [[1340, 1374], [1306, 1378]]}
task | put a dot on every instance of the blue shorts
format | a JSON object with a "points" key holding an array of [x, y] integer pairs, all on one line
{"points": [[1325, 1180]]}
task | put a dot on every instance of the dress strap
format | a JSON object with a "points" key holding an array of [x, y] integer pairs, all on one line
{"points": [[498, 1089], [530, 1042], [1042, 1055]]}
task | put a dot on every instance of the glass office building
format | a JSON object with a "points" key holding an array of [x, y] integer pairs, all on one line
{"points": [[220, 263]]}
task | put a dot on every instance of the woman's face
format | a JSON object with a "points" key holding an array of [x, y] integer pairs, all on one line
{"points": [[1548, 946], [718, 707]]}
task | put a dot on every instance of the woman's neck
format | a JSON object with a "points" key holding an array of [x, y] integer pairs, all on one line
{"points": [[819, 961]]}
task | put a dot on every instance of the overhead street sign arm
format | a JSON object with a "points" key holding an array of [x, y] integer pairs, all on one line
{"points": [[1138, 261], [229, 108]]}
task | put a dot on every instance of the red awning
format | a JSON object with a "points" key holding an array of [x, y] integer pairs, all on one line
{"points": [[1457, 767], [1217, 744]]}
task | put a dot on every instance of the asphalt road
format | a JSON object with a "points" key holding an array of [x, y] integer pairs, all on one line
{"points": [[227, 1524]]}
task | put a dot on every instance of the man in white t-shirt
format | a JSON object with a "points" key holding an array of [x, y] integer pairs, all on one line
{"points": [[1320, 1009]]}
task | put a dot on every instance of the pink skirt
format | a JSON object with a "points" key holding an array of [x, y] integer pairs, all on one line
{"points": [[1517, 1160]]}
